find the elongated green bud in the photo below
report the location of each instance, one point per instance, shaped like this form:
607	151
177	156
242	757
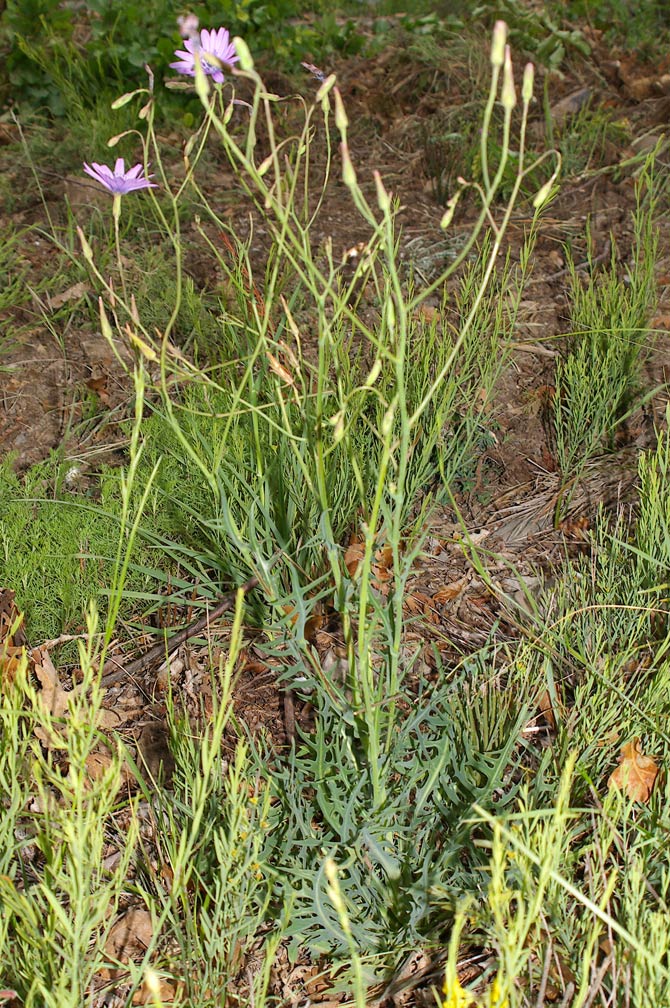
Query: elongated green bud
341	120
105	327
337	422
85	247
387	419
448	215
348	173
112	142
242	50
498	44
544	192
528	82
508	92
383	200
125	98
201	82
325	87
374	374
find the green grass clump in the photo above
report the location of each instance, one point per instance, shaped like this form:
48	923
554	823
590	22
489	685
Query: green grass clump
598	381
58	549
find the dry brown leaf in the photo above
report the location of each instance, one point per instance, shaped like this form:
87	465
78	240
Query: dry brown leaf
353	557
74	293
130	936
636	773
158	992
427	313
419	602
546	710
382	565
662	321
98	764
449	591
52	696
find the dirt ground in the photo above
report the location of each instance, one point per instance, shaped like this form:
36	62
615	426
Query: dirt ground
49	376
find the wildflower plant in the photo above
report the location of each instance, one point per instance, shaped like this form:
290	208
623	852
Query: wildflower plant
271	458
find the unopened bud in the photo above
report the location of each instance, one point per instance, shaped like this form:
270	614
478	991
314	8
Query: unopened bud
85	247
387	420
374	374
383	201
528	82
508	92
448	215
242	50
341	120
326	87
105	327
112	142
337	422
498	44
544	192
201	82
348	173
125	98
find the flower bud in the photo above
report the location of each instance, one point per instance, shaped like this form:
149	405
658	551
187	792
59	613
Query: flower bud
105	327
498	44
125	98
543	193
341	120
448	215
387	419
383	200
528	82
348	173
508	91
85	247
242	50
325	87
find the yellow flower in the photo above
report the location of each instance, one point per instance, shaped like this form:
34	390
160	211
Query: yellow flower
456	996
495	998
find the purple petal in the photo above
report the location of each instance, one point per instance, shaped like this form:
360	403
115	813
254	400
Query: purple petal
119	167
135	171
103	170
94	174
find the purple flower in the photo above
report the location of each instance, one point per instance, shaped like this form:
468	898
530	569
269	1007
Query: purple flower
120	181
211	43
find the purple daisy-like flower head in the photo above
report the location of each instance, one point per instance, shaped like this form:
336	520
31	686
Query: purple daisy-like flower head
120	181
210	43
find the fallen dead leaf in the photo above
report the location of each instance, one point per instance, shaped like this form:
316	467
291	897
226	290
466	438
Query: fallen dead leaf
74	293
636	773
156	991
546	710
130	936
52	696
382	565
449	591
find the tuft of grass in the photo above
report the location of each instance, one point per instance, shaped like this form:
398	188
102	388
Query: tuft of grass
598	381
